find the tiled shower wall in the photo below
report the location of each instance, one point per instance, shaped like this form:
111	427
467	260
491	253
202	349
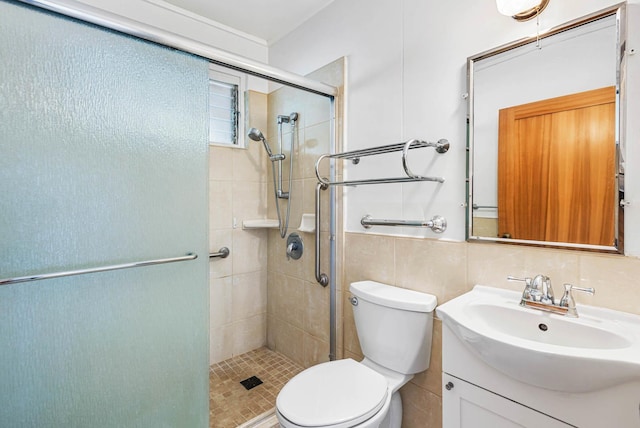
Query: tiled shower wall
238	284
298	307
449	269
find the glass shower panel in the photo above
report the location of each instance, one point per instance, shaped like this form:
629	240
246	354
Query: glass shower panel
103	160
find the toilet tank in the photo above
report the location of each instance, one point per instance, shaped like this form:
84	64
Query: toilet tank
395	325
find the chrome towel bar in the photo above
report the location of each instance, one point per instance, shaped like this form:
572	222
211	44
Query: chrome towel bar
223	253
36	277
442	146
438	223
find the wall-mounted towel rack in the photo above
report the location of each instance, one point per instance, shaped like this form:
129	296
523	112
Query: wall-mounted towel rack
36	277
442	146
437	223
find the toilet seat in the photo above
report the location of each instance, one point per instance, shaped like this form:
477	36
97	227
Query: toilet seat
337	394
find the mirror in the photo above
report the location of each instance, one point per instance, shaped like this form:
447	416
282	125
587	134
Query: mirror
544	159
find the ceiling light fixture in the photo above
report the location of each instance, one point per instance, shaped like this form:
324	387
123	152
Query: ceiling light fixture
521	10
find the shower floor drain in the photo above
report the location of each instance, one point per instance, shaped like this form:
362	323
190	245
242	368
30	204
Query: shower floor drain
251	382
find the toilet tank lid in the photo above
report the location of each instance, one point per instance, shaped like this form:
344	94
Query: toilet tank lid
393	297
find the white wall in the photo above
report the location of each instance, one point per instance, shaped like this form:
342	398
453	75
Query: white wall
160	14
406	77
632	132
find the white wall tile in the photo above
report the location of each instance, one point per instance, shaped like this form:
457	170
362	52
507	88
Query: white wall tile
249	295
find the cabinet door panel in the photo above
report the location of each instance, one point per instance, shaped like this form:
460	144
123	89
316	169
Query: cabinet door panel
467	406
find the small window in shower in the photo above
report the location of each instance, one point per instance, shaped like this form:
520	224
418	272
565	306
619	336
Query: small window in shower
226	105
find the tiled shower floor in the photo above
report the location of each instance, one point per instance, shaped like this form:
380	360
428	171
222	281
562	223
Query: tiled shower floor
230	404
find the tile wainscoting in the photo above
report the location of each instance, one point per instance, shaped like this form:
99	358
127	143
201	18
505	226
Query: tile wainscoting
449	269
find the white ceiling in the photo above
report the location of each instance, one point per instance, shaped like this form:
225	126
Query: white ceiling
265	19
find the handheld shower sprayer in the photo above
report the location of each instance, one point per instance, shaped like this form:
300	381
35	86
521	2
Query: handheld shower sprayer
256	135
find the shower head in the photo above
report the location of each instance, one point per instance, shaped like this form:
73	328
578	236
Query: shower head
255	134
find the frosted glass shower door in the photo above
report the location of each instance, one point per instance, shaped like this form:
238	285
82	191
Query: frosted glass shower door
103	160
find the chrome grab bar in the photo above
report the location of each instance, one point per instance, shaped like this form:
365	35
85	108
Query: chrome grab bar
437	223
322	278
223	253
36	277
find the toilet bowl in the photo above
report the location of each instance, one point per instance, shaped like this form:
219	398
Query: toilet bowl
395	329
337	394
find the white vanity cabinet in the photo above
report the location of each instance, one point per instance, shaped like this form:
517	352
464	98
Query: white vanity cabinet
483	397
465	405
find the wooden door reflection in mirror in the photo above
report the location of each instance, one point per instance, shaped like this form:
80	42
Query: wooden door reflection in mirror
561	192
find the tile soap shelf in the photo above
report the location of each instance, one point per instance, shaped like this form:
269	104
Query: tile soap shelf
307	223
260	224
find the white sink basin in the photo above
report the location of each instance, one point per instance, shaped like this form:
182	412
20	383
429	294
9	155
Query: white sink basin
599	349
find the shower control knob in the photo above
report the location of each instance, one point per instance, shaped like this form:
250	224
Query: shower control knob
294	246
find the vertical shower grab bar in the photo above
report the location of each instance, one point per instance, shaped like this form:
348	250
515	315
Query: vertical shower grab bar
322	278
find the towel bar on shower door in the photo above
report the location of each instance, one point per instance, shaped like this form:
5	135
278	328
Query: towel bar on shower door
36	277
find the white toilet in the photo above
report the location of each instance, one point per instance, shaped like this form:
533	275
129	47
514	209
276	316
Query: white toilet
395	329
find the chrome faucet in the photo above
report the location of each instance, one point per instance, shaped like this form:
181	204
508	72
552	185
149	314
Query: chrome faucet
541	285
538	294
538	289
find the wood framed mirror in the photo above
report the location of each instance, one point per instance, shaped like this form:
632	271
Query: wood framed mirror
545	156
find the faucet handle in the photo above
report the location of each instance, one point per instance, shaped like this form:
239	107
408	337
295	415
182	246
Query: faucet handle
567	300
526	280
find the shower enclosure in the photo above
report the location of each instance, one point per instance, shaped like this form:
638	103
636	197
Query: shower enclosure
259	296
